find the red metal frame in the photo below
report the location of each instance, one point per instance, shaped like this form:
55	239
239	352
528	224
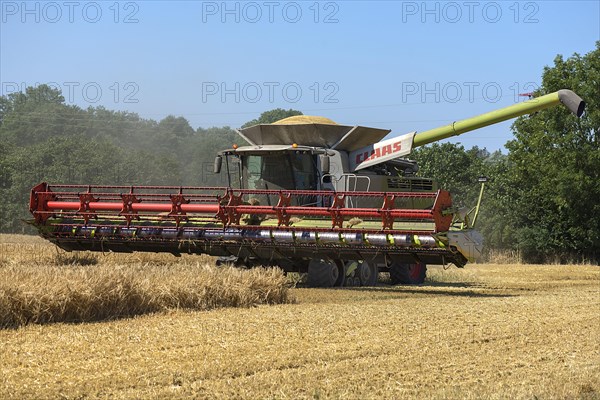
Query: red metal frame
225	205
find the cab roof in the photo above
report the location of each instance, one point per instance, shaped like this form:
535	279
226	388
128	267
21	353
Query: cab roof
313	131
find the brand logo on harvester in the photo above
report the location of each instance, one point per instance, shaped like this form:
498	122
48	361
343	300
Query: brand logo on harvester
379	152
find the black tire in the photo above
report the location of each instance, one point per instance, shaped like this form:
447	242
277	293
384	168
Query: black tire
324	273
368	273
408	274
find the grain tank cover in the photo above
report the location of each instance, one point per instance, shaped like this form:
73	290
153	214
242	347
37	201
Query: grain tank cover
312	131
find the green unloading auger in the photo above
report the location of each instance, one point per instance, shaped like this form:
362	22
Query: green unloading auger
568	98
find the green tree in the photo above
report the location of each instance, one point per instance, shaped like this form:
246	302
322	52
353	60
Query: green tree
454	168
38	113
553	182
458	170
201	154
176	126
43	139
268	117
5	107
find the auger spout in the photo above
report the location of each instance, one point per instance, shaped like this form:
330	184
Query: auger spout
567	97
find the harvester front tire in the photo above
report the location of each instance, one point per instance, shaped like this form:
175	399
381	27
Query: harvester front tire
408	274
324	273
226	261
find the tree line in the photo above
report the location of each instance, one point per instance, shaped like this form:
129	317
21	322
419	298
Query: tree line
541	198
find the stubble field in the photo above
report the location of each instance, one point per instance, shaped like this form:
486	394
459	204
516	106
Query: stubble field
488	331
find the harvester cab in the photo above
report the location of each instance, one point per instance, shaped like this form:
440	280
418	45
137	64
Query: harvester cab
316	154
339	202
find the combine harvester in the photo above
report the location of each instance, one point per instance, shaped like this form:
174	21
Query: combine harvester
307	195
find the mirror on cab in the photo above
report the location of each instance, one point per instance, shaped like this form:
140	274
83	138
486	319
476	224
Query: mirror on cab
218	163
324	159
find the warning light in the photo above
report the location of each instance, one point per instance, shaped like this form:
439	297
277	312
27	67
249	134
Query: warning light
295	145
235	146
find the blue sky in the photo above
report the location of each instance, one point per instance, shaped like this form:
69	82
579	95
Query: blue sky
401	65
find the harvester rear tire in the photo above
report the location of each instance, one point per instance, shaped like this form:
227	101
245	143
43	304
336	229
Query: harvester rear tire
368	273
408	274
324	273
